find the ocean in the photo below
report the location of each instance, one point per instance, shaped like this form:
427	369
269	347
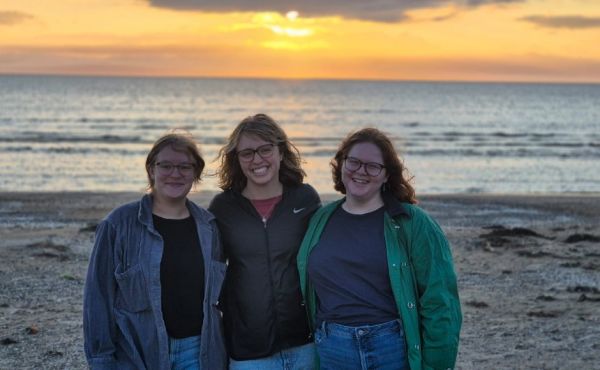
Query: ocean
93	133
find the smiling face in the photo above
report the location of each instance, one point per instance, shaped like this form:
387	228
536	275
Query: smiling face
174	185
260	172
360	186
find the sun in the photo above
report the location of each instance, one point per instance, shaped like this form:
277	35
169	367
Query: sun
292	15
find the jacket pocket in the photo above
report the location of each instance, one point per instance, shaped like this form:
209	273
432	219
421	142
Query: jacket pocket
132	294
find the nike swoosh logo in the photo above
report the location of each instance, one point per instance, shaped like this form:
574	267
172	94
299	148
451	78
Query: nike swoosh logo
298	210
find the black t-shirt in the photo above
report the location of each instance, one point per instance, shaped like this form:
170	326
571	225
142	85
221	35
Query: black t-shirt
348	268
181	276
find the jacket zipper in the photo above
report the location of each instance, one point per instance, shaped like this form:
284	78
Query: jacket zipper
268	252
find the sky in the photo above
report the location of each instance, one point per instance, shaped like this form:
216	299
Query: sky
430	40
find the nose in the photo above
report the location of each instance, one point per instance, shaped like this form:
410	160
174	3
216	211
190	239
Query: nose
256	158
362	169
176	172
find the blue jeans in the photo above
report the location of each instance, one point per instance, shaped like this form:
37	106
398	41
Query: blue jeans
184	354
295	358
380	346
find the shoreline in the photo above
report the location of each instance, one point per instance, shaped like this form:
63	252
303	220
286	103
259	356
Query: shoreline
528	269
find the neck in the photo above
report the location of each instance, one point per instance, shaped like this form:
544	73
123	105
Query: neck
169	208
359	207
271	190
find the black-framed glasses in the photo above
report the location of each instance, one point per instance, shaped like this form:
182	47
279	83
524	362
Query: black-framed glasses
264	151
167	168
371	168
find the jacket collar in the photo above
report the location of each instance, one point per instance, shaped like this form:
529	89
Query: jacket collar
145	211
393	206
237	195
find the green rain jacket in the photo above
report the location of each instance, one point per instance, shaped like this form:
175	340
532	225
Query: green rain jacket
422	278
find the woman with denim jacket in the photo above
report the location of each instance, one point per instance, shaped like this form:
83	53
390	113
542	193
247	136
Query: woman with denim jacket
155	274
376	271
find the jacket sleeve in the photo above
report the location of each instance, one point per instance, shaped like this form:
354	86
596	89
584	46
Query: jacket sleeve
438	303
218	254
214	207
99	326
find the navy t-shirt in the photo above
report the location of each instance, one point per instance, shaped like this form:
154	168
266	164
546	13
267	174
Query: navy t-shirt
348	268
181	276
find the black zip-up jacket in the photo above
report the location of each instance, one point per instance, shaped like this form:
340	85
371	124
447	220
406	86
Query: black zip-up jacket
261	300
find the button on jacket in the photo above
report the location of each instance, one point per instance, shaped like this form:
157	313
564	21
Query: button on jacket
122	317
422	278
262	302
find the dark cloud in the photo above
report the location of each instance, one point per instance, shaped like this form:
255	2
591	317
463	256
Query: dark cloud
371	10
442	18
572	21
8	18
485	2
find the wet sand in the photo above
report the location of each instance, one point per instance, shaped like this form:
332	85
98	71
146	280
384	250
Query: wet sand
528	267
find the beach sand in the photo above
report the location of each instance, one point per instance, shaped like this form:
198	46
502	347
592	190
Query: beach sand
528	268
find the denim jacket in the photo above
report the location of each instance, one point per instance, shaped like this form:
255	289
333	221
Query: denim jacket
122	316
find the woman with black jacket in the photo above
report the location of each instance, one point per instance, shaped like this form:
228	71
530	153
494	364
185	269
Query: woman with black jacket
262	215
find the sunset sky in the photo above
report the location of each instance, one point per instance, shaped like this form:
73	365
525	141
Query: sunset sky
472	40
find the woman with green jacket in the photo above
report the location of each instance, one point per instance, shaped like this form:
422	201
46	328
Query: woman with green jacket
376	271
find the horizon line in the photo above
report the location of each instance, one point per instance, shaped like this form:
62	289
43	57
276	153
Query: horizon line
332	79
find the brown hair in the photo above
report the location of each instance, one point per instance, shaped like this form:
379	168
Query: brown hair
264	127
397	185
181	142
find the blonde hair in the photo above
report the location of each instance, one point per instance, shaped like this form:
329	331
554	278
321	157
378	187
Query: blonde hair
264	127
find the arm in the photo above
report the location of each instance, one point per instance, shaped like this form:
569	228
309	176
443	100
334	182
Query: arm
438	303
315	199
99	327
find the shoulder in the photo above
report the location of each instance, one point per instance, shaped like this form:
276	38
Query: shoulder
124	212
319	219
200	213
223	199
304	191
413	213
307	189
331	206
118	221
327	209
419	223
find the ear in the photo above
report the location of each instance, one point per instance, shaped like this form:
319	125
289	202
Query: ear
151	172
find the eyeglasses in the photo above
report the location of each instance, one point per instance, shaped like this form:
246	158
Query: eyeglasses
167	168
263	151
353	164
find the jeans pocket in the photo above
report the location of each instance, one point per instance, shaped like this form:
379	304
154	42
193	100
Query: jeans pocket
132	294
